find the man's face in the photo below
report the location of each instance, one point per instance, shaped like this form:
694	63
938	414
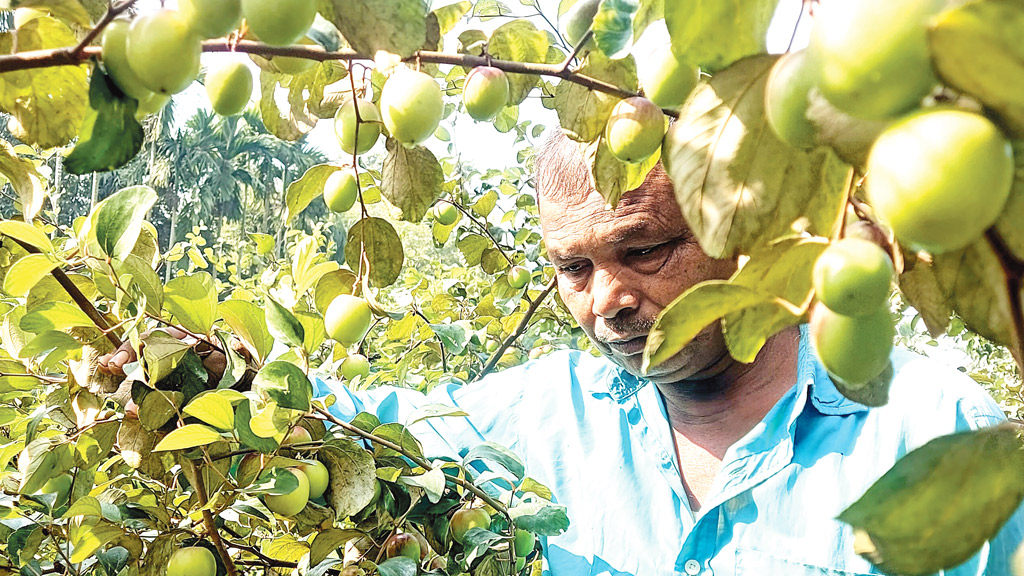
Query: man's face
617	269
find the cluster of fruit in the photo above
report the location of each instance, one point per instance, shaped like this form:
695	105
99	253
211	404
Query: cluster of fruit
938	174
853	329
158	53
414	546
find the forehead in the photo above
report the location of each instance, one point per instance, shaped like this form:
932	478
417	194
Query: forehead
575	220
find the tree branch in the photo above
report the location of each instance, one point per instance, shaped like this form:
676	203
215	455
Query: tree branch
211	525
76	295
74	56
1014	269
523	324
112	12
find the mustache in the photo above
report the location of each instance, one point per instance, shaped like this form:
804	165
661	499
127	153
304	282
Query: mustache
613	328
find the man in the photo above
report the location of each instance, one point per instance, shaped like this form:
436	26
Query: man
704	466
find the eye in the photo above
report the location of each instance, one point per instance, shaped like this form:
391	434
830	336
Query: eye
573	269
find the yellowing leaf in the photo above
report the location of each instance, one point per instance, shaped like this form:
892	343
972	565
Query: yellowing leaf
212	408
188	436
26	233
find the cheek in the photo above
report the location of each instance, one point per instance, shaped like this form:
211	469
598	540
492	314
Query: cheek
576	302
690	267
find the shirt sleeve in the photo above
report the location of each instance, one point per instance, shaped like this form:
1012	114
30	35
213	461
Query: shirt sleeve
974	409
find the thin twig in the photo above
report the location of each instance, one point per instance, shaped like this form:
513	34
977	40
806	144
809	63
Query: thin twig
483	226
422	463
523	324
112	12
79	298
208	521
444	360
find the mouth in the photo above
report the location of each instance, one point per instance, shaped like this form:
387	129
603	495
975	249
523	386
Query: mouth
628	347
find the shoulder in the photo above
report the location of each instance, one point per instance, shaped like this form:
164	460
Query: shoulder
928	398
561	370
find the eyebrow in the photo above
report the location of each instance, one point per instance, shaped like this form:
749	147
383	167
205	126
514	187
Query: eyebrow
626	234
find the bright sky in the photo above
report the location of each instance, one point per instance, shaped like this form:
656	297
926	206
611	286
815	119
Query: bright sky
479	143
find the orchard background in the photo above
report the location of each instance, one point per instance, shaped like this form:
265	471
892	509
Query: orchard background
128	211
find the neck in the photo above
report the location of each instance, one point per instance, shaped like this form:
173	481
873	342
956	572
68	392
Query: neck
715	412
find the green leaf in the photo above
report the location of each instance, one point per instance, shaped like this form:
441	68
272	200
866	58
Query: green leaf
47	105
70	11
400	436
783	271
26	273
714	34
85	506
383	247
248	322
687	315
54	316
453	337
60	344
975	284
285	384
353	476
309	264
582	112
327	541
88	536
158	407
26	233
613	27
395	26
193	301
162	354
243	416
145	278
411	180
940	503
330	285
213	408
117	220
301	192
541	518
282	324
110	136
739	187
448	16
94	444
1008	225
188	436
265	242
498	454
42	460
24	177
613	177
648	12
976	48
519	41
397	566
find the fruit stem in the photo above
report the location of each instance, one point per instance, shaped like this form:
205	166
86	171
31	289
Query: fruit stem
211	526
523	324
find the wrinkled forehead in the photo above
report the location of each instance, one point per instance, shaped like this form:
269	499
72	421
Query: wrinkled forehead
563	175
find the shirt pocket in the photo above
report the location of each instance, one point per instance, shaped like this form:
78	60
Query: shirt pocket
751	562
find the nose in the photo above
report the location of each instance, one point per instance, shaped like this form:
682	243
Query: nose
612	293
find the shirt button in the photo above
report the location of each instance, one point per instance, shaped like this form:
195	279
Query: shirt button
692	567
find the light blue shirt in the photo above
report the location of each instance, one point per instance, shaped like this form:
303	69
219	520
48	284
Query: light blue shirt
600	439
